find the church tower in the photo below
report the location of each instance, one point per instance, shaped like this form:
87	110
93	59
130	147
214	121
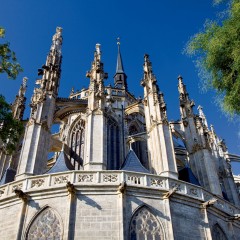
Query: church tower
33	158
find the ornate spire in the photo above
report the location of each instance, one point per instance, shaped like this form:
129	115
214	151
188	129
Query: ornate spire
182	89
18	106
147	66
202	115
185	103
97	76
120	77
149	80
51	71
97	71
159	135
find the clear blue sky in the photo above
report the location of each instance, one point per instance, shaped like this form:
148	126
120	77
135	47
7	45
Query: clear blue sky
159	28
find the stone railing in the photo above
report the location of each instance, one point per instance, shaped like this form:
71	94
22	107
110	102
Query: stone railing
114	178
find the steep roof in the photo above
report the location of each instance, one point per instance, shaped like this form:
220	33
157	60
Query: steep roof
61	165
132	163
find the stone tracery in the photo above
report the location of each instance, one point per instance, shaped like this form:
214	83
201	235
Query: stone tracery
144	225
45	226
77	138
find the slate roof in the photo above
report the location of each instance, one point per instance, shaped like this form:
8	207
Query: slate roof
132	163
61	165
187	175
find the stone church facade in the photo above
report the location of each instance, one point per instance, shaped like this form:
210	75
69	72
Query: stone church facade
120	169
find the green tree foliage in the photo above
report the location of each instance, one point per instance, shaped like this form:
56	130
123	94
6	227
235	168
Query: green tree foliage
217	50
8	60
10	128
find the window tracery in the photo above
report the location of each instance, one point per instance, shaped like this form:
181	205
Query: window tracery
145	226
45	226
113	144
77	139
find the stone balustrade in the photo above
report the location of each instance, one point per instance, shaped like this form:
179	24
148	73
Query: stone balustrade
114	178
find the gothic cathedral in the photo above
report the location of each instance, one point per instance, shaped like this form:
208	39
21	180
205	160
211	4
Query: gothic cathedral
120	168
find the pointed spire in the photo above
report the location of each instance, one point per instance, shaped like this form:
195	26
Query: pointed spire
119	68
51	71
182	88
185	103
147	66
120	77
202	115
18	106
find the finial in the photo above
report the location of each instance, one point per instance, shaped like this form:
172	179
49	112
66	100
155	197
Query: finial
147	66
180	77
24	83
57	40
98	45
118	41
146	57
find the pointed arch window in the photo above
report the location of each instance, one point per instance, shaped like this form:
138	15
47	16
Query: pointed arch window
77	139
217	233
113	144
145	226
46	225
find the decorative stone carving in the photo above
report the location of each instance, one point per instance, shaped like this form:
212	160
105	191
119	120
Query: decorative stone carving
177	186
37	183
196	147
45	226
134	179
85	178
110	178
144	225
156	182
193	192
61	179
17	187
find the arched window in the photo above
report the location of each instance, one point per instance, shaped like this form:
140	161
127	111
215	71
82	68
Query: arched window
46	225
113	144
77	144
217	233
145	226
